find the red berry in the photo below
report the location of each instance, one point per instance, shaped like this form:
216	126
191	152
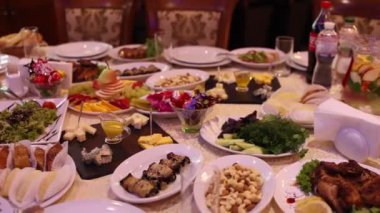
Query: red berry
137	84
55	76
39	79
49	105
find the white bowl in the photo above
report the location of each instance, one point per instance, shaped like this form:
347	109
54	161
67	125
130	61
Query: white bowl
152	80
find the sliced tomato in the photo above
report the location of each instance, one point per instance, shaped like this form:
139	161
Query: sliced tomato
49	105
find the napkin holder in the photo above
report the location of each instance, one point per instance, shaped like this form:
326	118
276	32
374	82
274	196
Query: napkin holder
355	134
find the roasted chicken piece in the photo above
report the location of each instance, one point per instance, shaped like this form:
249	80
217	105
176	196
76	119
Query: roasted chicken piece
51	154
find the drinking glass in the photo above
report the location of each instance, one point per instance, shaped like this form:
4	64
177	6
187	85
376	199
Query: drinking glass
31	43
163	46
114	128
191	119
242	80
286	45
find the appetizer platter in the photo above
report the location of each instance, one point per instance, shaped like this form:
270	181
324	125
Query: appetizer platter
177	79
160	102
269	137
93	206
134	52
160	171
39	120
87	70
139	70
257	57
298	106
33	175
332	185
218	183
106	94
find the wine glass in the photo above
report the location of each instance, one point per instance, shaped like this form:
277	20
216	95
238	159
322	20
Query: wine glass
286	45
31	43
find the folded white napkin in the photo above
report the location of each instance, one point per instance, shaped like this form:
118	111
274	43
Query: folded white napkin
332	116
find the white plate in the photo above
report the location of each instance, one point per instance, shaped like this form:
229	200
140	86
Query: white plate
141	161
81	49
211	130
292	64
202	182
235	53
152	80
5	206
52	133
51	55
286	179
198	54
300	58
114	53
168	58
93	206
122	67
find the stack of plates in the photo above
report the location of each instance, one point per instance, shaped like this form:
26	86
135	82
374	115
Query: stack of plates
81	50
299	60
197	56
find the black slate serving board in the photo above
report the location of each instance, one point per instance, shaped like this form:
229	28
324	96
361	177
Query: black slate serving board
235	97
121	151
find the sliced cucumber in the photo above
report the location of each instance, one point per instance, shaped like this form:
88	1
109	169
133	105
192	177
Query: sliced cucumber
235	147
254	150
228	142
244	145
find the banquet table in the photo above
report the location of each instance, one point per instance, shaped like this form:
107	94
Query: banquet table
99	188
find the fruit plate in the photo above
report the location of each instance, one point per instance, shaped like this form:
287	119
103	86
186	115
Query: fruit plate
114	54
286	183
202	182
139	162
235	53
211	130
52	133
122	67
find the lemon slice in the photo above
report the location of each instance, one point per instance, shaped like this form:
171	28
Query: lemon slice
312	204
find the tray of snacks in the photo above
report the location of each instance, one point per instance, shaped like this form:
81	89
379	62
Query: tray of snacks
255	191
156	173
38	120
32	174
105	94
94	158
223	87
134	52
139	70
257	57
87	70
331	185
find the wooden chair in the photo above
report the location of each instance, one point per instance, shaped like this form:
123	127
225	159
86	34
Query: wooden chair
109	21
366	13
191	22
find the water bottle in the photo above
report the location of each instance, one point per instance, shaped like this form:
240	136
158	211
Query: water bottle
316	28
326	50
348	35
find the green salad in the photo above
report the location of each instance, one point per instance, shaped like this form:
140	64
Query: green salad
26	121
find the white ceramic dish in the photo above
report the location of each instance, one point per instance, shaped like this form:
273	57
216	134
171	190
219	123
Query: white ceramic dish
235	53
168	58
51	55
81	49
202	182
211	130
52	133
139	162
300	58
114	53
152	80
198	54
293	65
286	179
122	67
69	183
93	206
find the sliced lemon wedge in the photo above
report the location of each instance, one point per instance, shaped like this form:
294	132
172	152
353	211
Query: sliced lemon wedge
312	204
